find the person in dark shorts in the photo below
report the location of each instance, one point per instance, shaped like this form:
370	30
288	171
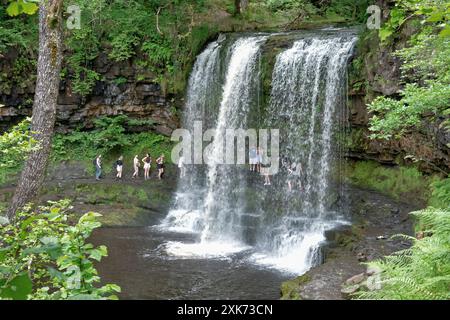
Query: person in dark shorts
160	166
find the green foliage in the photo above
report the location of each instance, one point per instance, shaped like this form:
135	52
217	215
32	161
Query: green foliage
396	19
391	118
426	58
15	144
431	12
421	272
17	7
20	33
43	256
425	69
127	29
110	137
440	197
400	182
353	10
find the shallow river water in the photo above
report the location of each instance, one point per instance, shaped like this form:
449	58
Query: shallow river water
137	263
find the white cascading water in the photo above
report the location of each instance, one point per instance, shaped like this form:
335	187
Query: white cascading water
229	208
308	90
220	213
204	84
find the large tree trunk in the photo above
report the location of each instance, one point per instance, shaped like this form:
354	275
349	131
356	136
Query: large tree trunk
45	99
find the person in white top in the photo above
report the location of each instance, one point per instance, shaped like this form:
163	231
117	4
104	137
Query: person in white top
182	167
147	160
136	165
98	167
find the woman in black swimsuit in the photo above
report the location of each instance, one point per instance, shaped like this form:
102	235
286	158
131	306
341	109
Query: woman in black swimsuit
160	166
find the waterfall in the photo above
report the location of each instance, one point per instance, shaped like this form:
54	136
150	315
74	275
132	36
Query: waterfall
202	94
225	184
227	206
308	89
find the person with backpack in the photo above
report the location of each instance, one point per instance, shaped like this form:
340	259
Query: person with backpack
98	167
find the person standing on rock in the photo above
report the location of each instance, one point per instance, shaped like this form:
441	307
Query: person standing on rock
291	176
147	164
299	176
182	167
98	167
136	165
258	159
253	159
160	166
265	167
119	167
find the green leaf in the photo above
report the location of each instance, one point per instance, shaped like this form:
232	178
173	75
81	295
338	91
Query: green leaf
18	288
5	270
13	9
435	17
3	253
98	253
445	32
385	33
55	273
28	7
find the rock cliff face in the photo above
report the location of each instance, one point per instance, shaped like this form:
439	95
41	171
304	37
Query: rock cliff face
376	71
124	89
118	92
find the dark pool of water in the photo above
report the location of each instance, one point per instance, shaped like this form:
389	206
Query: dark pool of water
136	263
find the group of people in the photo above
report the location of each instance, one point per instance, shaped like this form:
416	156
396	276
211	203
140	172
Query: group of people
146	161
260	163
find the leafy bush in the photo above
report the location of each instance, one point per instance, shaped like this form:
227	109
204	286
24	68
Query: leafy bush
110	138
15	144
425	69
44	256
421	272
391	118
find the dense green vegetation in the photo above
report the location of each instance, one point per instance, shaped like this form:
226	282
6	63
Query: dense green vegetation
14	147
423	270
397	182
43	256
111	137
426	70
162	37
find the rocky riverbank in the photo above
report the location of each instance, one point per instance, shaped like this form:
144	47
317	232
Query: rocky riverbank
375	218
126	202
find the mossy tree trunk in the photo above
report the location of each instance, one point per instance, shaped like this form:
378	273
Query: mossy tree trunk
45	100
